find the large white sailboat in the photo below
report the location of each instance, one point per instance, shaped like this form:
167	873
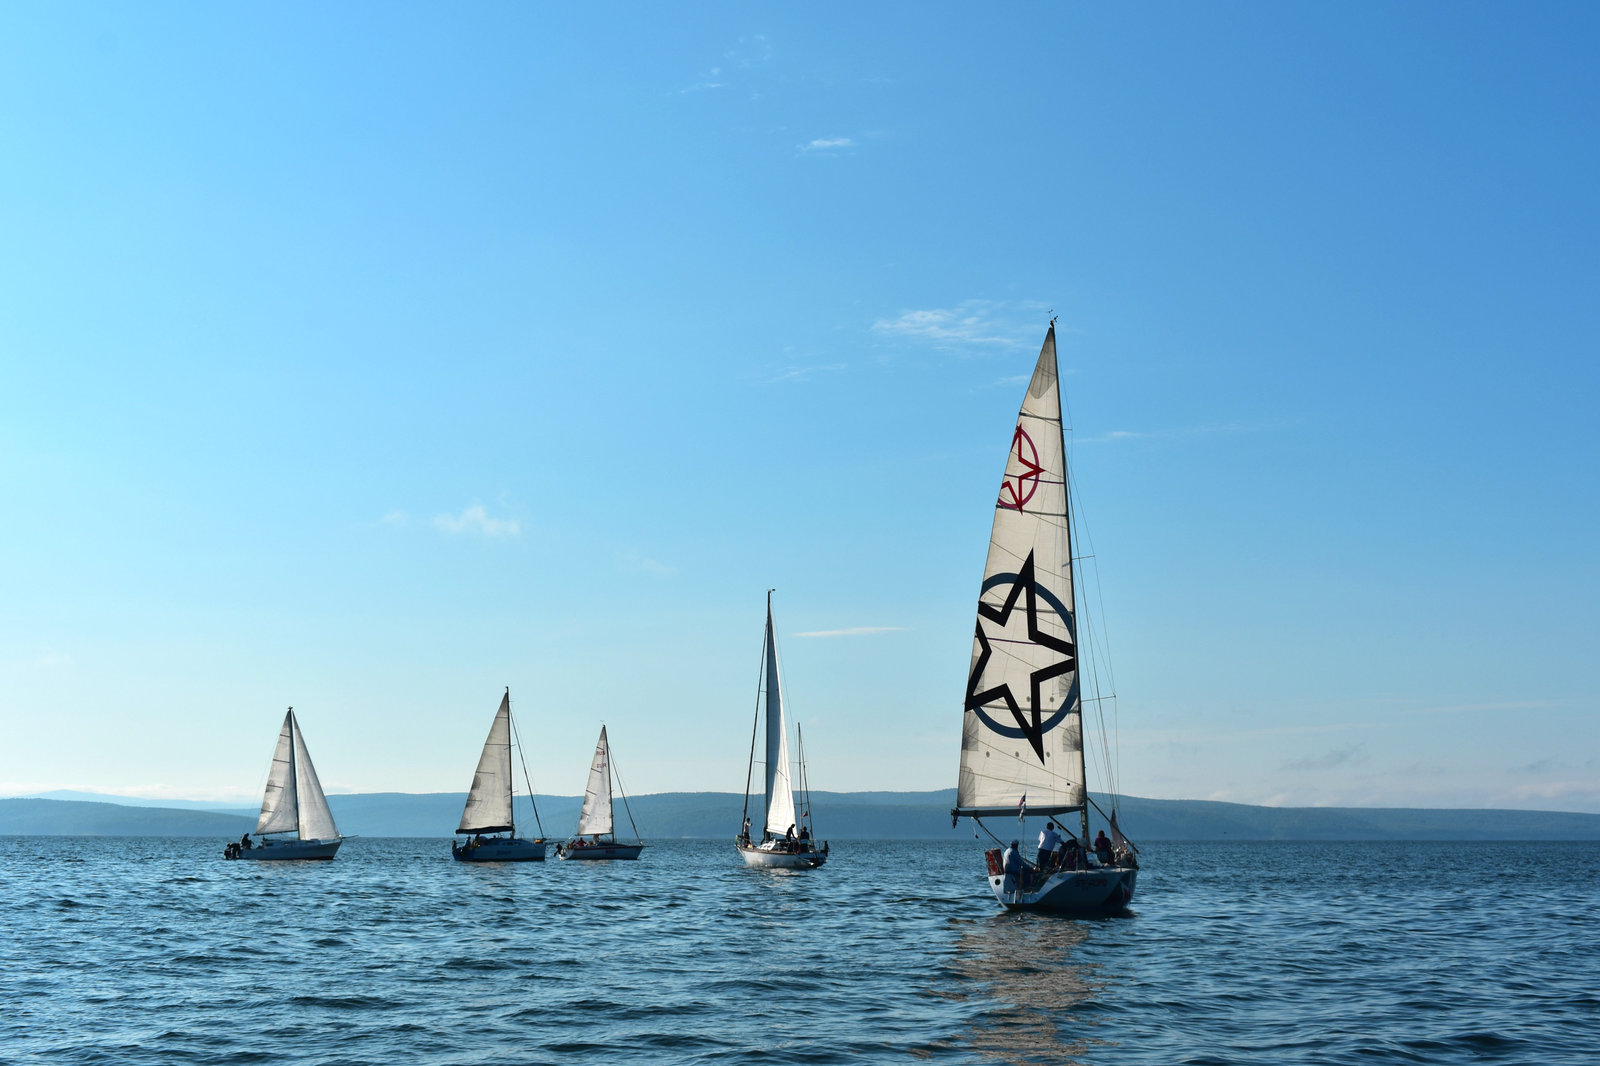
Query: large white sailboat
1022	736
490	801
787	839
293	803
595	837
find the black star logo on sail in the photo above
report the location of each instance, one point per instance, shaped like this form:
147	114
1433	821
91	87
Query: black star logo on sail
1030	722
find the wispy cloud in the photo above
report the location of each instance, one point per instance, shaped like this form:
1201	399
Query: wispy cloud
1469	708
393	518
803	373
52	659
855	631
633	561
970	323
1328	760
1208	429
828	144
476	520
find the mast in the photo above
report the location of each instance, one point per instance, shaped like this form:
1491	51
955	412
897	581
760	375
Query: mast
294	770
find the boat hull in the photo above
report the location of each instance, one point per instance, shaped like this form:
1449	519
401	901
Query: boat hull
599	851
500	849
1099	890
782	860
285	850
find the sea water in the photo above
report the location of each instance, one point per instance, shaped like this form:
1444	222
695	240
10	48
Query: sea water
140	950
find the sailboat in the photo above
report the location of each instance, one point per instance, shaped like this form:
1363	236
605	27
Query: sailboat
489	802
293	803
595	837
786	839
1022	749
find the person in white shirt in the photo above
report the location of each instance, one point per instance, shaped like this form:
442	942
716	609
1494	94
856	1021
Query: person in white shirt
1048	841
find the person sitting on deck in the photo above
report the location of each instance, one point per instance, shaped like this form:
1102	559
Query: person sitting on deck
1071	853
1102	848
1014	868
244	842
805	837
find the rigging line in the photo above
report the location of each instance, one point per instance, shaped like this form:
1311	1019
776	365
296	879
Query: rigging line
611	758
1101	657
756	721
522	756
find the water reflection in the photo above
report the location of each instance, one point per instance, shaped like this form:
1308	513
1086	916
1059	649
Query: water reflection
1022	973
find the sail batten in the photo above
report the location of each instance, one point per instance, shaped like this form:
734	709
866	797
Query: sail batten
595	818
780	791
1022	732
488	807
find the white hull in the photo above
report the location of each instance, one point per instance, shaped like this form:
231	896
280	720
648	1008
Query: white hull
1100	890
277	850
782	860
570	850
500	849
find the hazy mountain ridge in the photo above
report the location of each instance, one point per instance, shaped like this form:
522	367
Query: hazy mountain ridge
839	816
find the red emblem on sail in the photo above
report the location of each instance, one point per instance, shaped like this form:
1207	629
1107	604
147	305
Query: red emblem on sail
1018	489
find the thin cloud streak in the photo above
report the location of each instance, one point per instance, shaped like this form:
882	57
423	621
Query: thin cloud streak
476	520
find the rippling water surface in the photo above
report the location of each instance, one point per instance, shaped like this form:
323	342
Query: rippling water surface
118	950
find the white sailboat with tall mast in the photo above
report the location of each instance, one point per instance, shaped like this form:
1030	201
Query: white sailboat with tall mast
292	803
1022	736
595	837
490	801
787	839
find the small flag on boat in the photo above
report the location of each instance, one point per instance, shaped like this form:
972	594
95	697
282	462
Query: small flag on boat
1022	806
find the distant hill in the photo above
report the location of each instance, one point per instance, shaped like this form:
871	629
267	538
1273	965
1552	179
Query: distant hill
80	818
839	816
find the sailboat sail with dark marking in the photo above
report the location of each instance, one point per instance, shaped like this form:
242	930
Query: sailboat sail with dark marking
1022	735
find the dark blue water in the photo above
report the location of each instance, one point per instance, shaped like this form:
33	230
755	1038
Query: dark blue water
157	951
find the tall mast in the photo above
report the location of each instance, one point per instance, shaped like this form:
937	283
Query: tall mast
294	772
1072	567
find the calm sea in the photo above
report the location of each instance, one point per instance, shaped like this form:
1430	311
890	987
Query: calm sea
157	951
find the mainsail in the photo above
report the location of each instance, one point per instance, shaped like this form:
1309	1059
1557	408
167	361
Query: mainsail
293	801
595	818
780	794
1022	731
279	811
488	808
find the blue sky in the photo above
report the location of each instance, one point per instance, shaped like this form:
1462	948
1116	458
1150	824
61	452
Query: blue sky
372	359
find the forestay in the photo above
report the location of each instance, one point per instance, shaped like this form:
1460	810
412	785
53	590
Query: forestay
780	793
1022	733
595	818
488	808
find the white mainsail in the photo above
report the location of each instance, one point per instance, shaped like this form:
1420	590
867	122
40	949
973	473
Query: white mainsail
293	801
279	811
780	794
488	808
595	818
1022	731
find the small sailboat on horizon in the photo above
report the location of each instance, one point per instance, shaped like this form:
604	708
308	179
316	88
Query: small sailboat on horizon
1022	736
787	839
293	802
595	837
491	801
